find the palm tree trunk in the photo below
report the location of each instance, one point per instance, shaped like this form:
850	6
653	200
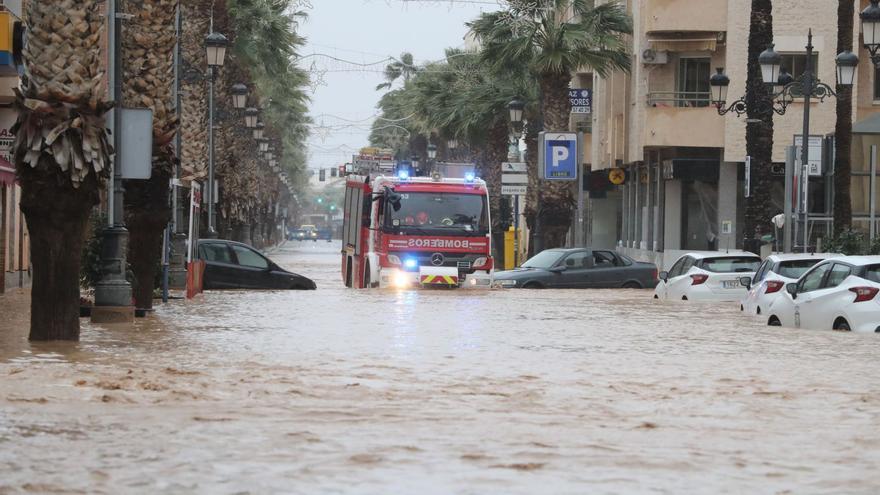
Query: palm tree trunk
843	127
57	217
530	209
759	131
496	152
557	203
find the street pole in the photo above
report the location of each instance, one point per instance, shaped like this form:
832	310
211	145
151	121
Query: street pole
212	231
805	140
113	292
516	230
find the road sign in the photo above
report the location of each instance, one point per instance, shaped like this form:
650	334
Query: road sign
558	155
617	176
581	100
518	167
514	190
814	156
514	178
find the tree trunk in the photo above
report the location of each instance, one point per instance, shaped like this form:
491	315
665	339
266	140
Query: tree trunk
531	157
557	204
57	218
843	127
147	215
496	153
759	133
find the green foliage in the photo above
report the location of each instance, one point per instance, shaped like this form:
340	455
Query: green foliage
851	242
90	263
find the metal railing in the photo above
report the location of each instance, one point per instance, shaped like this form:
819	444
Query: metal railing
678	98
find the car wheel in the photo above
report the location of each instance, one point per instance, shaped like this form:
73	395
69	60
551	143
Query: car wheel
533	285
656	296
684	298
632	285
758	310
842	325
774	322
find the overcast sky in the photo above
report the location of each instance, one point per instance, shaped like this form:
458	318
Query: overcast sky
365	32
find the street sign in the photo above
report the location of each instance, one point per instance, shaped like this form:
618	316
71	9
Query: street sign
518	167
581	100
814	157
748	181
558	155
514	178
617	176
136	133
514	190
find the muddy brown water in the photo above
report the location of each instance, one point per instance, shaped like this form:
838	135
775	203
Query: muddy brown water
434	392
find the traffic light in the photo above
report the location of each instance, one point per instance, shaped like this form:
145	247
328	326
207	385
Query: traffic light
322	175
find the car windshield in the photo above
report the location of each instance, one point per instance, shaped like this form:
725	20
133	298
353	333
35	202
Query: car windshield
872	273
438	213
544	259
731	264
796	268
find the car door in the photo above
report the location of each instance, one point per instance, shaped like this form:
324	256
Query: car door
678	285
604	272
577	266
253	268
820	309
662	288
811	282
220	267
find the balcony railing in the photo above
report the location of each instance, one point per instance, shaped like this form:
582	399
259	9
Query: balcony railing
678	99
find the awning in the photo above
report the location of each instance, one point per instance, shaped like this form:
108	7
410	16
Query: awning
7	172
871	125
685	44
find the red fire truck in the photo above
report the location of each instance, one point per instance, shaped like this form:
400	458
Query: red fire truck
402	231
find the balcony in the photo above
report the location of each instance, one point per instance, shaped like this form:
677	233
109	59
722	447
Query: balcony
675	118
682	16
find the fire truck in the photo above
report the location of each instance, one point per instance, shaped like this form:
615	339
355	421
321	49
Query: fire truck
408	232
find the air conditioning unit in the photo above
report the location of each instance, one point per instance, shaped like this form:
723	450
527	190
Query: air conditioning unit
651	56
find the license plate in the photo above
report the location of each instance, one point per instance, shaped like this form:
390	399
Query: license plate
730	284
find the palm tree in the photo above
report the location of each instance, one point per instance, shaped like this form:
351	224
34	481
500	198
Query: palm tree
61	152
759	129
148	56
195	17
843	127
553	38
404	67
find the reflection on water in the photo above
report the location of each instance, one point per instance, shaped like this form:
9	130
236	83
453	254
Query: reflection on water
348	391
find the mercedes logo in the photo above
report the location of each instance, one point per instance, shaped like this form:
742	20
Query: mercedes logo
437	259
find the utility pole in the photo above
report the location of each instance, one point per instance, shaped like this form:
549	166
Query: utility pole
113	292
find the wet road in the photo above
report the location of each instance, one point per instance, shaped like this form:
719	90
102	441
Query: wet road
376	392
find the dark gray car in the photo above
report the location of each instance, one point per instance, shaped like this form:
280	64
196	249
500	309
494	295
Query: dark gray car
579	268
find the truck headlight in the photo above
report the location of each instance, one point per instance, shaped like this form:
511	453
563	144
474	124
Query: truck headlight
400	280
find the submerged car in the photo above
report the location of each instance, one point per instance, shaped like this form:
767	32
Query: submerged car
772	276
707	276
579	268
836	294
234	265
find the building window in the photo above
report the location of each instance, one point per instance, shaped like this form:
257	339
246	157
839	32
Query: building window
795	63
693	82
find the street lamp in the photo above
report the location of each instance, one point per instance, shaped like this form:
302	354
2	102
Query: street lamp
452	144
239	95
870	18
264	145
515	108
785	88
250	117
258	130
432	151
215	50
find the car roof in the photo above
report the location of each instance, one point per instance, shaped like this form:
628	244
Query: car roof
700	255
859	260
802	256
225	241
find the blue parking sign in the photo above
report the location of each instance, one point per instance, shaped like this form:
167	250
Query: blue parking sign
559	155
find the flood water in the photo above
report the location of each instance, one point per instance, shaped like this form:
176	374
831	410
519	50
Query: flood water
435	392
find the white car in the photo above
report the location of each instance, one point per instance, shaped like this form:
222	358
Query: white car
836	294
770	279
707	276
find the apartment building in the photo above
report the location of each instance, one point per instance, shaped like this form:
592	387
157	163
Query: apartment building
14	241
684	163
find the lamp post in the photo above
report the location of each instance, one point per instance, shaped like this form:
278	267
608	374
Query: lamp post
515	110
250	117
785	89
870	19
259	128
239	96
215	49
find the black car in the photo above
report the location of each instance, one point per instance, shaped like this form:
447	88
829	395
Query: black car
233	265
579	268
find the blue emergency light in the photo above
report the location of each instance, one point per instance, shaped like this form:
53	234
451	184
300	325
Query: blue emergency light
410	263
469	176
403	174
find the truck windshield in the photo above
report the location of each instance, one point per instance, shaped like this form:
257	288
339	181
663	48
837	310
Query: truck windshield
438	214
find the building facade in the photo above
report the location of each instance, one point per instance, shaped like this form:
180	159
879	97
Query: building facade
684	163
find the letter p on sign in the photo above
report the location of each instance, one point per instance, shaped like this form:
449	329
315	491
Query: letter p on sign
560	154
